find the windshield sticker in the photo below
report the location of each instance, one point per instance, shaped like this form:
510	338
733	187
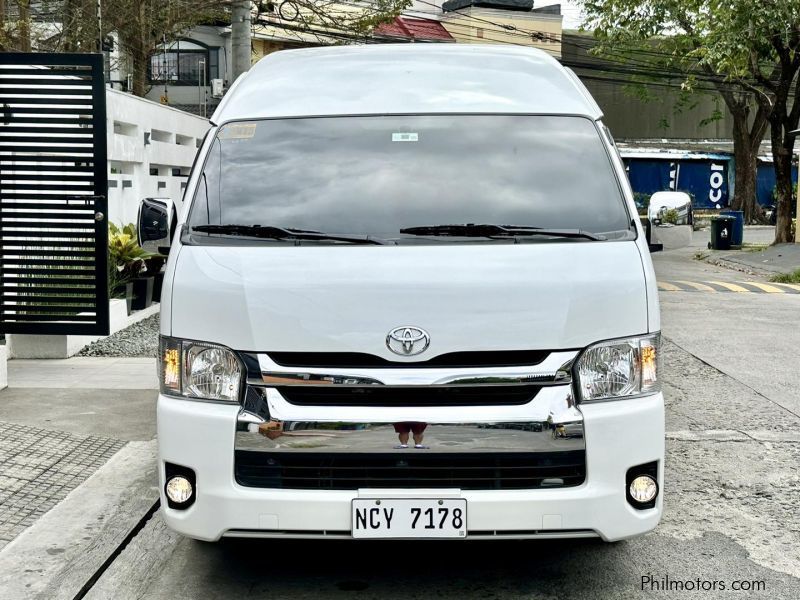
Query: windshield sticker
238	131
405	137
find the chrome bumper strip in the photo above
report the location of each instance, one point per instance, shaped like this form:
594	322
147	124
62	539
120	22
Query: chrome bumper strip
545	534
550	422
373	438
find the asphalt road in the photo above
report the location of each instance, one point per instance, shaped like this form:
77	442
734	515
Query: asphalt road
732	493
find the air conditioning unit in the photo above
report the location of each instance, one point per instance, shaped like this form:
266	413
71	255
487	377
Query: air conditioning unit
217	88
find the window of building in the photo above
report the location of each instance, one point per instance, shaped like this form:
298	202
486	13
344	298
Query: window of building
184	62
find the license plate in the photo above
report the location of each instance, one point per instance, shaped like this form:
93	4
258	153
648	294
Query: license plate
409	518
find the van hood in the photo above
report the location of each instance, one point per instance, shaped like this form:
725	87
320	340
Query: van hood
468	297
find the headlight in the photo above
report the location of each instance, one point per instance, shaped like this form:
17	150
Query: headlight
199	370
619	368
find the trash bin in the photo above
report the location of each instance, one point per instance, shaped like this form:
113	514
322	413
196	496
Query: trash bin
738	227
721	233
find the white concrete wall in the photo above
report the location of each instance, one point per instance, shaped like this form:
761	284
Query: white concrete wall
172	140
3	367
63	346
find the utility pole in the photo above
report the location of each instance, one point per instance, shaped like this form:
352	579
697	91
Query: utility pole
240	37
99	15
796	133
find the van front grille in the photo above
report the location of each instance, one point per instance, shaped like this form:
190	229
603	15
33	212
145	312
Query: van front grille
355	360
410	469
378	395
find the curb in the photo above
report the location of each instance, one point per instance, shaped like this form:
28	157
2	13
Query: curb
740	267
60	554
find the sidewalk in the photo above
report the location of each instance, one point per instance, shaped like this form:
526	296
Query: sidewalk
783	258
60	422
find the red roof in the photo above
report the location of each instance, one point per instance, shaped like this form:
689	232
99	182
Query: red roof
423	30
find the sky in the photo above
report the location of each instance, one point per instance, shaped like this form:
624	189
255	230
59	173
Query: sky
569	8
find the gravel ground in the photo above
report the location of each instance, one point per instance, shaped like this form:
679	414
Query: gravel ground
140	339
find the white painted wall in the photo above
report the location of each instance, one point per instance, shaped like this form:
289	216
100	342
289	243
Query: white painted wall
145	135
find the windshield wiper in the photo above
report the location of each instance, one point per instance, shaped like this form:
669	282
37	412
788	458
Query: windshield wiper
498	231
283	233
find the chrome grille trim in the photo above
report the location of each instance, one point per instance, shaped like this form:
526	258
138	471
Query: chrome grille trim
553	402
553	370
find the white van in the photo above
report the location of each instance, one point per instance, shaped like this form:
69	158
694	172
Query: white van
409	296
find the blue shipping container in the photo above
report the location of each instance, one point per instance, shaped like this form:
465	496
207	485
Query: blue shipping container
705	179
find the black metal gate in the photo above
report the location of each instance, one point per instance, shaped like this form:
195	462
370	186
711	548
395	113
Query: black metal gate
53	185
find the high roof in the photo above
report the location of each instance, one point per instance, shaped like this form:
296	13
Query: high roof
406	79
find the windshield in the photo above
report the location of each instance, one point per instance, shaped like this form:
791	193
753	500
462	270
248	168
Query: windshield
375	176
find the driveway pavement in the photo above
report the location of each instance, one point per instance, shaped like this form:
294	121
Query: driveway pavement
62	421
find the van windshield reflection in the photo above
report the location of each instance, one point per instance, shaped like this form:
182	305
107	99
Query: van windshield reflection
371	178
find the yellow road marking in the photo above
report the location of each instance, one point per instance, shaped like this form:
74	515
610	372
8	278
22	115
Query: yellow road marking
791	286
700	287
770	289
732	287
668	287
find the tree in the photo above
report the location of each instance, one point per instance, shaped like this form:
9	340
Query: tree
678	35
143	25
754	46
3	40
761	42
330	21
15	25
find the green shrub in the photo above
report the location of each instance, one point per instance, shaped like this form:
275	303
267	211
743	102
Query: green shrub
641	200
793	277
126	258
670	216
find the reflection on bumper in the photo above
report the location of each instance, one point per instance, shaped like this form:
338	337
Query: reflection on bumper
549	423
384	437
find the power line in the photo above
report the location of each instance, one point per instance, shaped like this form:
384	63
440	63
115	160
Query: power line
643	69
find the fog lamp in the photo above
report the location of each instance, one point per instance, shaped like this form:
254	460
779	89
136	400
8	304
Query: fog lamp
643	489
179	489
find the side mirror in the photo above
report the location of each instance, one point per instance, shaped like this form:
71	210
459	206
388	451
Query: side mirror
661	202
648	228
648	234
155	224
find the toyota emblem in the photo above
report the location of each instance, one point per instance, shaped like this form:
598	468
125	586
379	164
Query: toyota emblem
408	341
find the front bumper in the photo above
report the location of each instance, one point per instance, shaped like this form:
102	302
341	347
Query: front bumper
617	435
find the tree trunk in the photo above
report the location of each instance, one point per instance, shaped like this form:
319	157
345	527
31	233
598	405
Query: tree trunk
782	157
24	25
747	136
2	25
746	165
72	19
138	47
139	68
